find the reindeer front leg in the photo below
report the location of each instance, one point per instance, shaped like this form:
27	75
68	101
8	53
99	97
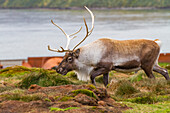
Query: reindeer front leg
98	71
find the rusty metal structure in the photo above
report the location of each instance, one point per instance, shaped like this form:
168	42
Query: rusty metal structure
49	62
164	57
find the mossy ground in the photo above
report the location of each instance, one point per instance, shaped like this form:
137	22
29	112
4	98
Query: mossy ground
134	90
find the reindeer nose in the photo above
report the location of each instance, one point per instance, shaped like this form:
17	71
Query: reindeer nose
59	70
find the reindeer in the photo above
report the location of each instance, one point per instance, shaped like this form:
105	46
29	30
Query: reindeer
103	55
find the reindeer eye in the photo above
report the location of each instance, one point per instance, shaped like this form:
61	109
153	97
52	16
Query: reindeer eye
69	59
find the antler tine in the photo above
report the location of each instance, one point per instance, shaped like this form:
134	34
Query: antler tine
76	32
92	17
62	50
88	32
59	28
85	36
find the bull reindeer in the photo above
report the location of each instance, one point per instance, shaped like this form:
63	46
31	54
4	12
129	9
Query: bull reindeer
104	55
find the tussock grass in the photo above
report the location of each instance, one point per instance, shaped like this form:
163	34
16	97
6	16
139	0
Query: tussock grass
136	77
71	75
20	95
125	89
85	91
147	98
14	71
7	88
44	78
158	86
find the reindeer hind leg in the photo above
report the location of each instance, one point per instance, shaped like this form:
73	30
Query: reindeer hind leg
148	71
162	71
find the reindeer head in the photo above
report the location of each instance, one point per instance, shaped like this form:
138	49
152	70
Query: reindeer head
68	63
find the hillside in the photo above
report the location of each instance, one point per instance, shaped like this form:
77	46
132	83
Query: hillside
80	3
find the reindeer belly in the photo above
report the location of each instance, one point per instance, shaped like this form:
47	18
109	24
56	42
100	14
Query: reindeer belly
128	66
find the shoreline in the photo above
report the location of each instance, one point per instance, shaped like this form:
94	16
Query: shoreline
93	8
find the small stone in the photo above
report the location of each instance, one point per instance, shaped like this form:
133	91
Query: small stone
34	87
102	103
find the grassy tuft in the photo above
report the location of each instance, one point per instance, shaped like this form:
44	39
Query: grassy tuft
157	86
71	75
44	78
60	109
99	79
14	71
125	89
136	78
20	95
66	98
7	88
86	92
91	87
148	99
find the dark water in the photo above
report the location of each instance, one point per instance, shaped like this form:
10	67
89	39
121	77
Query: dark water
26	33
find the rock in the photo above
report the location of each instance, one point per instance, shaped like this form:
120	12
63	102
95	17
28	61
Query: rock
34	87
102	103
85	100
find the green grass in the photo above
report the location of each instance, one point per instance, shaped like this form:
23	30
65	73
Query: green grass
18	94
137	77
44	78
60	109
147	99
161	107
125	89
164	64
84	91
66	98
15	71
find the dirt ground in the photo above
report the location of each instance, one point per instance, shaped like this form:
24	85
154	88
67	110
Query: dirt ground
53	97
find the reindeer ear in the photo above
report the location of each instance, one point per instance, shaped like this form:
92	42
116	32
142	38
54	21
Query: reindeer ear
76	53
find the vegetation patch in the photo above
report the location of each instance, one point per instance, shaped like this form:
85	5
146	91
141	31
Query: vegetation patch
44	78
136	78
150	99
20	95
99	79
66	98
162	107
14	71
60	109
7	88
158	86
125	89
85	91
91	87
71	75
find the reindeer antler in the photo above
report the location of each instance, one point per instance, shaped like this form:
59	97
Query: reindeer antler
88	32
69	36
62	49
